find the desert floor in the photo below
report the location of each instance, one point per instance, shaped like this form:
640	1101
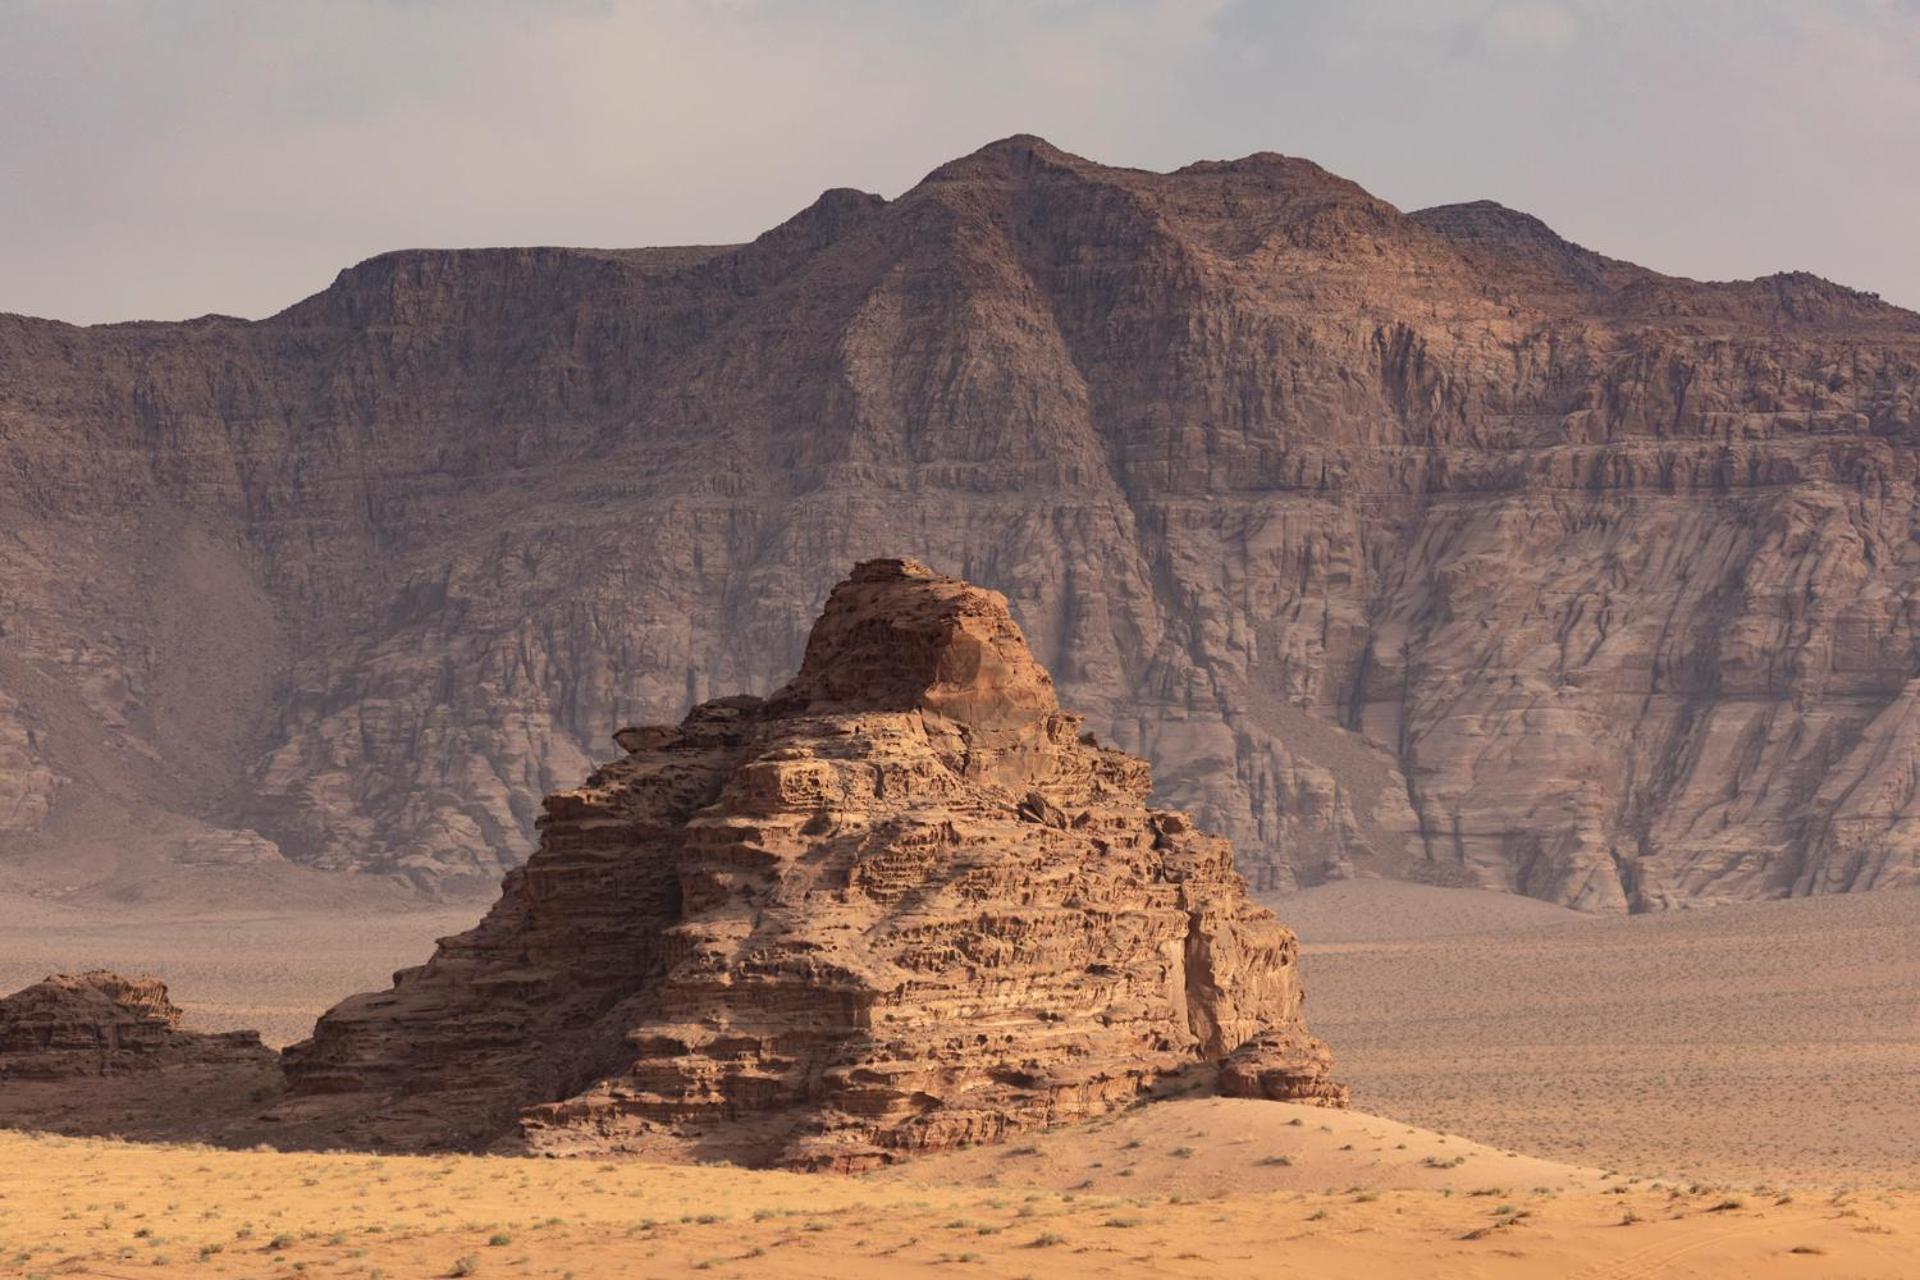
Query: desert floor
1776	1041
1722	1093
1219	1188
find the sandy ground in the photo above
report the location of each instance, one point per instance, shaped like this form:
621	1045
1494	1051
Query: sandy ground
1723	1093
1209	1147
1770	1041
92	1207
1383	910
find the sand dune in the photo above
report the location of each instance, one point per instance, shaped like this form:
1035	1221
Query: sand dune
1207	1147
92	1207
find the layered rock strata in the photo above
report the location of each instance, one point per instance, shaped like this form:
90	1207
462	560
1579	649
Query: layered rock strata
905	903
1424	544
72	1026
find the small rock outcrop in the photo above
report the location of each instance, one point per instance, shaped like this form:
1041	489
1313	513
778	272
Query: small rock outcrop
903	904
73	1026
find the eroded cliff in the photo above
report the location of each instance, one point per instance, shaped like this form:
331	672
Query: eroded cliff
903	904
1428	546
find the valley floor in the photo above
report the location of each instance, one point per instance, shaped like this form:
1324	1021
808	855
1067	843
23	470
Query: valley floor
1764	1041
1721	1093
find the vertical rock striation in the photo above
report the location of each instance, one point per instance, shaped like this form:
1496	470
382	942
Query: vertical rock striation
1425	545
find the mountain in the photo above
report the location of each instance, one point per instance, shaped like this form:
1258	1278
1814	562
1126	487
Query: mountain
1428	546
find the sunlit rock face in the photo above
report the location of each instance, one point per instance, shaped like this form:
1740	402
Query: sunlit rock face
905	903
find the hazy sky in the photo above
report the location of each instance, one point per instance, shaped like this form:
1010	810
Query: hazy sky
161	160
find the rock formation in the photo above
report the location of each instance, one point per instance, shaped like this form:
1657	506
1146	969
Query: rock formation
1423	545
101	1024
904	903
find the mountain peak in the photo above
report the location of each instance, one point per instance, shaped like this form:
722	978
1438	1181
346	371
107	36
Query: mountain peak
1019	153
1487	229
1271	163
1491	224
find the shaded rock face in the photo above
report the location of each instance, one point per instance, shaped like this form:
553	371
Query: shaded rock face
1428	545
902	904
101	1024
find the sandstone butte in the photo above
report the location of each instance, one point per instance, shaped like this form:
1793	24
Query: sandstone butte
100	1024
1426	545
903	904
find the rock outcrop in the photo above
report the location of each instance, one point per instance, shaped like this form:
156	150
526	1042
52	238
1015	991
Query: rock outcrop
904	903
1424	545
71	1027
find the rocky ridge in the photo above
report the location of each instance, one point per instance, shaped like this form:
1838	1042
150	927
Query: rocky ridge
1429	546
903	904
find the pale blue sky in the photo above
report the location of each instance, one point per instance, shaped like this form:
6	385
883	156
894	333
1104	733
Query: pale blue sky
161	160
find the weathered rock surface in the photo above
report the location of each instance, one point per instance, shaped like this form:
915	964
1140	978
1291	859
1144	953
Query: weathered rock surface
1419	545
101	1024
902	904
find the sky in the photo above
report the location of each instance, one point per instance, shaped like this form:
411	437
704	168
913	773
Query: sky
167	159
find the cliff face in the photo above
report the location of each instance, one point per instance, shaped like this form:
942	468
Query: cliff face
1429	546
901	905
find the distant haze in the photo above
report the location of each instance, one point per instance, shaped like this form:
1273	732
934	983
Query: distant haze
165	160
